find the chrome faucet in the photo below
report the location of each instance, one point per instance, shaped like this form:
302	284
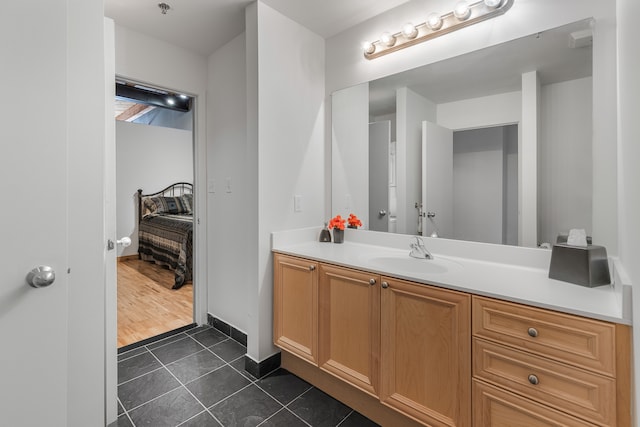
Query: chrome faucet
419	250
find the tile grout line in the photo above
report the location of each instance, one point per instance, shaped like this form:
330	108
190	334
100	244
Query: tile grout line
125	413
189	391
181	384
140	376
286	407
296	398
345	418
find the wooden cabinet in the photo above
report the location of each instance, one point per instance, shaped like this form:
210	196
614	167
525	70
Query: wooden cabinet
408	354
349	326
295	306
569	339
564	364
494	407
426	352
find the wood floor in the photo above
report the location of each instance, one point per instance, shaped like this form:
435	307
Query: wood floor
147	306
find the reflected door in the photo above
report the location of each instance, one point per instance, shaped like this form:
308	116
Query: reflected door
437	180
379	143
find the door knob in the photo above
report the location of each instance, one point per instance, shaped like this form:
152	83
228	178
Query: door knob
41	277
382	212
124	242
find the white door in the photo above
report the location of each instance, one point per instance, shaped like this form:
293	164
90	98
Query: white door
437	180
379	141
45	332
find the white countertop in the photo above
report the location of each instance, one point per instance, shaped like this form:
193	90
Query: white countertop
506	272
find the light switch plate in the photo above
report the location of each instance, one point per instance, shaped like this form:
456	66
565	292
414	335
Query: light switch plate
297	203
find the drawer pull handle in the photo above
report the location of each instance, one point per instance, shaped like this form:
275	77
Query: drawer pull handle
533	332
385	285
534	379
372	282
312	267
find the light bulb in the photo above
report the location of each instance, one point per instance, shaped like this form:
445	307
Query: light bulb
434	21
170	101
387	39
409	30
368	48
492	3
462	10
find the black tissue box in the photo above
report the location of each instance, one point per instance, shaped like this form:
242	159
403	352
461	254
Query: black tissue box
582	265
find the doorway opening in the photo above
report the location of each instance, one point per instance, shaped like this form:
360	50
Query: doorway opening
154	202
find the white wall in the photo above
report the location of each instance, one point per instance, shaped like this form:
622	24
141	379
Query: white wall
478	185
228	237
350	152
346	66
485	111
511	185
290	138
144	59
629	154
565	159
149	158
411	110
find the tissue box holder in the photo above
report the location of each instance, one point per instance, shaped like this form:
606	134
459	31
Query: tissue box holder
586	266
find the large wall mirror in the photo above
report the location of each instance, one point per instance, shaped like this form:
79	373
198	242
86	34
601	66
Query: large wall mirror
492	146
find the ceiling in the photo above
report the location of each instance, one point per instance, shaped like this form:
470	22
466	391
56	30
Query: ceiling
203	26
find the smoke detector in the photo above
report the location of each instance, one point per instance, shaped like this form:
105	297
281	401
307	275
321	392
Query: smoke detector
581	38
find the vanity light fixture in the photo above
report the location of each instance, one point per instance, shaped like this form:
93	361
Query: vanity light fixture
463	15
434	21
462	11
409	30
387	39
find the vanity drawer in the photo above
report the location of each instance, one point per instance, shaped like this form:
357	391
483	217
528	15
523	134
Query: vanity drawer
581	342
572	390
494	407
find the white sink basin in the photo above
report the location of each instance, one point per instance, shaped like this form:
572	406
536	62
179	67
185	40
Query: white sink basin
409	265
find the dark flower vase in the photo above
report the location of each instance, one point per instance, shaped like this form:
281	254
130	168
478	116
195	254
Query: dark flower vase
338	235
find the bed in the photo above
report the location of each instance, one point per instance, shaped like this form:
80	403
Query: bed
165	229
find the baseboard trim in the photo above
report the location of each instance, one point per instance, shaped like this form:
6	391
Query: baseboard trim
127	257
260	369
227	329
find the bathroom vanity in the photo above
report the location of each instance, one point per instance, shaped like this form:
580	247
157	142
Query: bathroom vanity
453	341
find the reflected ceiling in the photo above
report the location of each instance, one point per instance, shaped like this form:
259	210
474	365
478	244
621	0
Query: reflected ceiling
493	70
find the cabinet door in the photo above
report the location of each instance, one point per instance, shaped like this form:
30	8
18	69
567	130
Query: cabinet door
349	326
426	352
295	302
494	407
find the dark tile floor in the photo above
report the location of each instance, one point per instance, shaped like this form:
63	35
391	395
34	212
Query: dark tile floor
197	378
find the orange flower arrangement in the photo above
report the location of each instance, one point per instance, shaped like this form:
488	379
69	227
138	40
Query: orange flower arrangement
337	222
354	221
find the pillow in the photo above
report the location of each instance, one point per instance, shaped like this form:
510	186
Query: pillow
165	205
148	207
187	199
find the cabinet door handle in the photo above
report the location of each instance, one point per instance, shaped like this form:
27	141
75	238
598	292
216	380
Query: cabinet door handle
312	267
372	282
533	332
385	285
533	379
